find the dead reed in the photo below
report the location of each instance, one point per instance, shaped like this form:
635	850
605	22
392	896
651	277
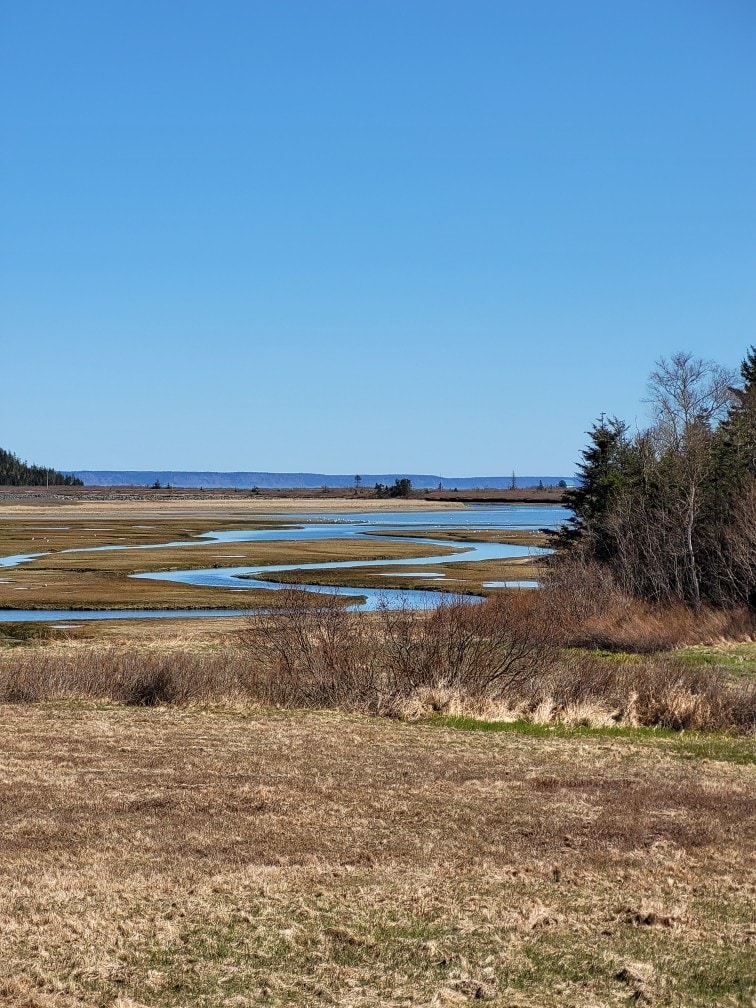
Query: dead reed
585	607
496	660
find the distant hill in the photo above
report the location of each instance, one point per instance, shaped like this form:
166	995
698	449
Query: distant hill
14	472
275	481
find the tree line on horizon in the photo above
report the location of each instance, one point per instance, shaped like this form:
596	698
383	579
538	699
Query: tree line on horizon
14	472
670	511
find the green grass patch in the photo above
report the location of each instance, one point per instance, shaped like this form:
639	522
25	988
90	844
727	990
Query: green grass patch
684	972
285	958
13	634
739	660
685	745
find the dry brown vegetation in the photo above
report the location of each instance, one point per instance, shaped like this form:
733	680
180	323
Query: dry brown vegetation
585	607
186	857
207	817
496	660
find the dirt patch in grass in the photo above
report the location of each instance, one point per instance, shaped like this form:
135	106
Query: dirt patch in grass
172	857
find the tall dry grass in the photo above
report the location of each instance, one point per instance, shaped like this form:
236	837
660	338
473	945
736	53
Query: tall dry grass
498	659
584	607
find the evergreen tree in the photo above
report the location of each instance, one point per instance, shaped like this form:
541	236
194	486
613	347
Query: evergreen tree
14	472
672	513
730	514
735	442
748	368
604	474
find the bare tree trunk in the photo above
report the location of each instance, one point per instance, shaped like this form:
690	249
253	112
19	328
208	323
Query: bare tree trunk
690	549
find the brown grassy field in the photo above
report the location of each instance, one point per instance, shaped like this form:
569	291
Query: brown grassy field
190	857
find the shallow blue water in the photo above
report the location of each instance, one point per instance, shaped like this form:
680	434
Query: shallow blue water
19	558
319	526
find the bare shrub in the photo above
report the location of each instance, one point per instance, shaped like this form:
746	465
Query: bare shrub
321	655
312	653
584	606
155	682
497	660
479	649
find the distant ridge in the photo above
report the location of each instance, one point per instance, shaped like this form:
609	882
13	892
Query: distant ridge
277	481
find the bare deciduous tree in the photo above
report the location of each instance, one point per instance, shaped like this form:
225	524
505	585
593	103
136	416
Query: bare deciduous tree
686	393
686	396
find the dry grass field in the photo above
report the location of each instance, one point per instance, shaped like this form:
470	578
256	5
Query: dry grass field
196	857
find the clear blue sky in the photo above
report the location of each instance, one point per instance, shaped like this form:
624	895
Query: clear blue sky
365	235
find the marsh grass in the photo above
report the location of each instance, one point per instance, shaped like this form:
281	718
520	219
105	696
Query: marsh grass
100	580
13	634
466	578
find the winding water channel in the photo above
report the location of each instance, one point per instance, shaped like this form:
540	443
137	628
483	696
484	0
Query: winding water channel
307	527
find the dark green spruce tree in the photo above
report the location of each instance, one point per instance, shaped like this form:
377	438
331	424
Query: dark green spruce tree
607	470
671	513
729	519
14	472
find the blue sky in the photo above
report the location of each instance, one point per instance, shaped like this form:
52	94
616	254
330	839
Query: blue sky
365	235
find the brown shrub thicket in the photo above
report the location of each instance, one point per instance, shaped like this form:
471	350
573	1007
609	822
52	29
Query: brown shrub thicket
325	656
584	607
500	659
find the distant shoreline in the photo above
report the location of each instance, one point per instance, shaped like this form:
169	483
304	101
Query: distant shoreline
301	498
315	482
